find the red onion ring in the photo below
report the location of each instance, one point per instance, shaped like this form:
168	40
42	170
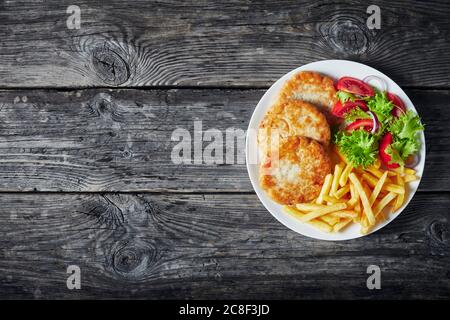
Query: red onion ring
381	81
399	109
414	162
375	122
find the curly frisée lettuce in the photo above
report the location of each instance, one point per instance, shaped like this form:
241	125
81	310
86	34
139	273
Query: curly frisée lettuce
381	106
405	131
356	114
359	147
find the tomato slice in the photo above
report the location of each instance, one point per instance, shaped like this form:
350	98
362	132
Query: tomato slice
385	158
355	86
339	109
366	124
399	106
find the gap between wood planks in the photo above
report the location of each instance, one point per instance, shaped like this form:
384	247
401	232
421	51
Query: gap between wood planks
174	87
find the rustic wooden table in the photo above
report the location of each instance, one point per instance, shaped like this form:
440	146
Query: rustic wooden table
86	177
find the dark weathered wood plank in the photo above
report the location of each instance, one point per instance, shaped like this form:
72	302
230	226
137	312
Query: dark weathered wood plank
209	246
207	43
101	140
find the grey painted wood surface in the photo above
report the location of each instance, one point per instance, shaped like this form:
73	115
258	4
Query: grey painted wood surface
209	246
211	43
86	176
120	140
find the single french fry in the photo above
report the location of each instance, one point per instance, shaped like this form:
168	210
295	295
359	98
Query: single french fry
376	172
321	225
377	189
320	212
409	171
333	200
400	197
364	230
363	196
370	179
383	203
316	223
293	211
405	171
340	225
410	177
344	176
331	220
351	203
358	206
345	214
358	210
394	188
352	191
363	221
366	188
309	206
336	176
325	188
342	191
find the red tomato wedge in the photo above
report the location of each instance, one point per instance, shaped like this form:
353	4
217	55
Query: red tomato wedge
339	109
366	124
399	106
355	86
385	158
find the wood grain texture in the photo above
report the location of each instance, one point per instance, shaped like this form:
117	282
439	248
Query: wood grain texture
120	140
208	43
211	247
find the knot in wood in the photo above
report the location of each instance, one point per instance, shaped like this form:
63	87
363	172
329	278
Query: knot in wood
102	105
347	37
110	66
438	231
133	259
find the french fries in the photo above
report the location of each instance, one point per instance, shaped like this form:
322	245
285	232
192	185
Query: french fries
400	197
390	187
377	189
342	191
316	223
363	196
335	183
322	211
325	188
410	177
355	195
344	176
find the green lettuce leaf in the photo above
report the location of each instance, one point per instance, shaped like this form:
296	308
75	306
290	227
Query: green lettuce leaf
381	106
356	114
406	126
404	130
395	155
359	147
345	96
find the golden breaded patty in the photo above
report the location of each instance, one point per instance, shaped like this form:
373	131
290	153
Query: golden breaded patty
298	174
294	118
311	87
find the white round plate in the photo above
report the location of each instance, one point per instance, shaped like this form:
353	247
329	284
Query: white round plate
334	69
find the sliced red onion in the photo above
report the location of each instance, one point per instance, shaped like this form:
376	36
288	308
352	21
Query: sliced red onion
415	161
375	121
398	109
381	81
